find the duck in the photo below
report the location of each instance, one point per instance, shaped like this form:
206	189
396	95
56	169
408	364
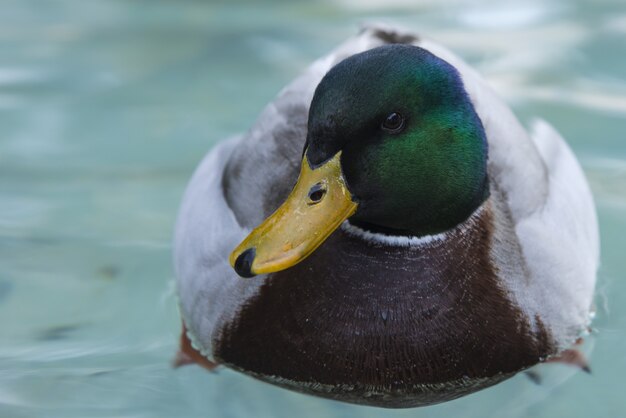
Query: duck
387	233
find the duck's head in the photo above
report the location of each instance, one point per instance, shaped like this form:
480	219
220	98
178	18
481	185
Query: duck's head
393	144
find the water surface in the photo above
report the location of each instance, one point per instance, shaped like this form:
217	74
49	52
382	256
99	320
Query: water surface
106	107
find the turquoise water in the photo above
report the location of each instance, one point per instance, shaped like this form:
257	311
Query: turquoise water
106	107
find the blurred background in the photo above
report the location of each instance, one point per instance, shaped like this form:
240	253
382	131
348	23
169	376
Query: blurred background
106	107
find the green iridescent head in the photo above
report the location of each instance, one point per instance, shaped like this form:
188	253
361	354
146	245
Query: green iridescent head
394	145
414	152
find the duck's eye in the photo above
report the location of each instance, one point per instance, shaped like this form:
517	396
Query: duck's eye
394	122
316	193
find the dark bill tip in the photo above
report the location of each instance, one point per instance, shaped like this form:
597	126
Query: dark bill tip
243	264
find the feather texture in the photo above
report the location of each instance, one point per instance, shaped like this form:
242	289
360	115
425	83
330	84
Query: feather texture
545	244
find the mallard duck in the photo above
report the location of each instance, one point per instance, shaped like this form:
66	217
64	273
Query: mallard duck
386	234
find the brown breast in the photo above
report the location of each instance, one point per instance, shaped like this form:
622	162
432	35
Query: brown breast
388	326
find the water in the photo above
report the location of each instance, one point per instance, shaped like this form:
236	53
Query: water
106	107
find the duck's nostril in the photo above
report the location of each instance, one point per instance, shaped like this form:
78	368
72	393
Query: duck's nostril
316	193
243	264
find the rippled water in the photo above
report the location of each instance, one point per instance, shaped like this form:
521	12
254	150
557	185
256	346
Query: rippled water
107	106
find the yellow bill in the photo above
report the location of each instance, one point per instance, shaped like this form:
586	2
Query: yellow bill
318	204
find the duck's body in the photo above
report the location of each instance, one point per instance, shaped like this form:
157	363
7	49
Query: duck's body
376	319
